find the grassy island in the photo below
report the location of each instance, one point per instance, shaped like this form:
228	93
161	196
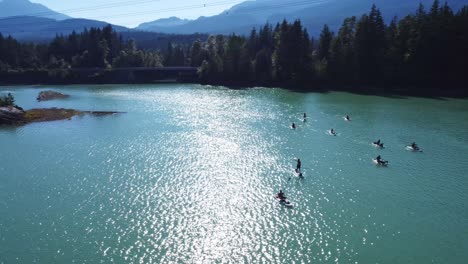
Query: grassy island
11	114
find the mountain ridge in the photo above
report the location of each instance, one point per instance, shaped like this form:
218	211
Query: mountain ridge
164	22
29	28
239	19
12	8
242	17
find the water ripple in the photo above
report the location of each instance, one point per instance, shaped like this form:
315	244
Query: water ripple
189	176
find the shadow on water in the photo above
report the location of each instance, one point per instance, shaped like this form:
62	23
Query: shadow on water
11	129
402	94
391	93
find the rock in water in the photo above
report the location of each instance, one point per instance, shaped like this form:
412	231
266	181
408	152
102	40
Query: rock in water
15	116
11	115
50	95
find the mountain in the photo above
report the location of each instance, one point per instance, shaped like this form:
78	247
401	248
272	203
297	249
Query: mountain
11	8
239	19
163	23
28	28
314	14
43	30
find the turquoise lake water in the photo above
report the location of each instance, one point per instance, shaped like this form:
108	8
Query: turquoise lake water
189	174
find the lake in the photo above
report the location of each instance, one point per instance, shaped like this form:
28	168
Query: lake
189	174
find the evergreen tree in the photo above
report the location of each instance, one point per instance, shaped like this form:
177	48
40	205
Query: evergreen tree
234	47
342	57
370	47
197	54
252	45
326	37
7	100
168	59
425	50
263	67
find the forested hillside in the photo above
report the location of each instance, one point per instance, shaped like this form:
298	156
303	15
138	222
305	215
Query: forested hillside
424	52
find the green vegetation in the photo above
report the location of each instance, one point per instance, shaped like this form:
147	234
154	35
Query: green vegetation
94	48
130	56
422	52
7	100
40	115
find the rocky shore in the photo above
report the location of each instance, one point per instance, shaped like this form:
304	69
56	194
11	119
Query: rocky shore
11	115
16	116
50	95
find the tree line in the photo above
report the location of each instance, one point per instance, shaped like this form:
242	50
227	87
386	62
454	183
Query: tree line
423	51
93	48
7	100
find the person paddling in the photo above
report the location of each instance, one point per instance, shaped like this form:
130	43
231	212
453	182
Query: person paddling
378	143
381	161
347	118
281	195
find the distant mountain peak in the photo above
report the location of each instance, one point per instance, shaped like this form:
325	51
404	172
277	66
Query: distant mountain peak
29	28
15	1
173	18
163	23
11	8
242	17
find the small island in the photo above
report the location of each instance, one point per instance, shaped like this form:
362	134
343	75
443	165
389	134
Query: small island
11	114
50	95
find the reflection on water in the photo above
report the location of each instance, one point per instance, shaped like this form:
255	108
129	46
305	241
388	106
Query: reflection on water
189	175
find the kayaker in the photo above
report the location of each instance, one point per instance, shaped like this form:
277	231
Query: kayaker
281	195
379	159
379	143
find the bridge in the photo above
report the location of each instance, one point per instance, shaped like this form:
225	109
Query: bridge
101	75
137	74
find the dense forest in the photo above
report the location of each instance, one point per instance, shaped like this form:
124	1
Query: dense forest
93	48
160	41
7	100
424	51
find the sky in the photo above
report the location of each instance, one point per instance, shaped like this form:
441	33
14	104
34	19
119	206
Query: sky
131	13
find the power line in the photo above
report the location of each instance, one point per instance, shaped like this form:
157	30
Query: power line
96	7
241	11
181	8
253	10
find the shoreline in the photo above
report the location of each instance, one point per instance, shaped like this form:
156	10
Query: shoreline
366	90
17	117
394	91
